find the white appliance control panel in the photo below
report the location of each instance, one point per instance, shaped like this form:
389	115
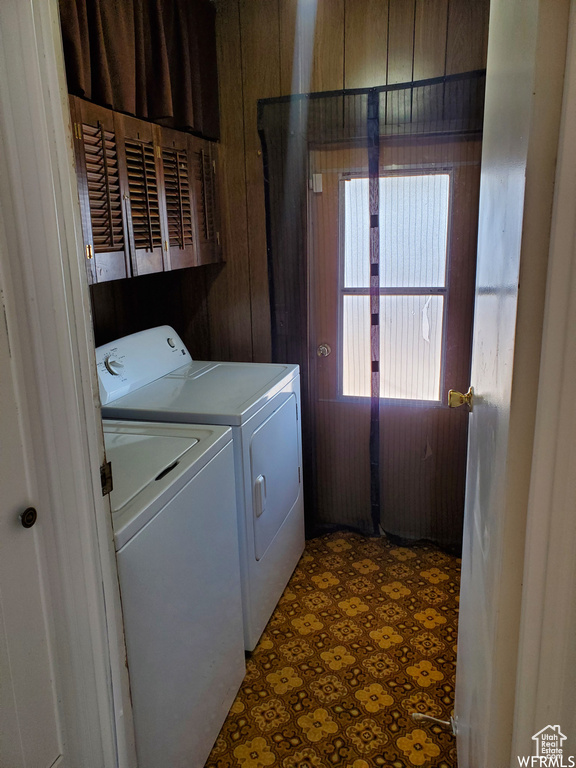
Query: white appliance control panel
136	360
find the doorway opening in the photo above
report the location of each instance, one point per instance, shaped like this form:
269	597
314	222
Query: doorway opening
373	196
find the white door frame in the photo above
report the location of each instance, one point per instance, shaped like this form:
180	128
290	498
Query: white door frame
49	306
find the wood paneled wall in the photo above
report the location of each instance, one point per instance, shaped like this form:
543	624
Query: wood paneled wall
269	48
176	298
264	52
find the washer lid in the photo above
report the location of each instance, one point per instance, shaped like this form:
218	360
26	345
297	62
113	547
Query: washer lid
140	459
142	487
205	392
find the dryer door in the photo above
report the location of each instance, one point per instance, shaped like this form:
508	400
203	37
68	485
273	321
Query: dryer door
274	467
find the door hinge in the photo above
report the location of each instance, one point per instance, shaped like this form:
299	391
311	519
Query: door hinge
106	478
299	476
77	130
297	412
89	251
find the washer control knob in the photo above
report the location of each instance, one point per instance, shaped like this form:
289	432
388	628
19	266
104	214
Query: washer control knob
113	366
172	343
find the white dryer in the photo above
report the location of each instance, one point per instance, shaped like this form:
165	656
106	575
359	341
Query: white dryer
174	516
150	376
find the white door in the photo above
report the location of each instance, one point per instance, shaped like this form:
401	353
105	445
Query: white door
29	731
526	54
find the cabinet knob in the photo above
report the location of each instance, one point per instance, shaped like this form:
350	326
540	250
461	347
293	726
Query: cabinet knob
28	517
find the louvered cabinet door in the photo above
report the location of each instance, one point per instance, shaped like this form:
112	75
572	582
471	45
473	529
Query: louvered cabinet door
140	176
206	202
177	185
101	204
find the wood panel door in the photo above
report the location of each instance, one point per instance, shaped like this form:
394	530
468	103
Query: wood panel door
428	223
178	186
205	174
101	198
140	178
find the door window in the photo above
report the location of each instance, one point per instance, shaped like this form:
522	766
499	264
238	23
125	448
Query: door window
414	217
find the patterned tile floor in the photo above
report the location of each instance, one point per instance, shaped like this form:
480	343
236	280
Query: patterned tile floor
364	635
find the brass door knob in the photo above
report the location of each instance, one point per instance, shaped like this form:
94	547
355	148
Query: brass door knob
456	399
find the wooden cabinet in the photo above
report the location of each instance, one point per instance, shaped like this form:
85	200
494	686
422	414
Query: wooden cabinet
204	159
148	195
102	202
178	187
140	174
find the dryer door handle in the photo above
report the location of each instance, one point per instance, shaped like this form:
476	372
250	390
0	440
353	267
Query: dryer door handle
260	495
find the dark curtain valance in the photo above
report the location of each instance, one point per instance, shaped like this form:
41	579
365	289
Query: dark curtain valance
144	57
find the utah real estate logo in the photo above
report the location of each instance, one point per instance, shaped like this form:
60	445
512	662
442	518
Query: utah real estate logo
549	750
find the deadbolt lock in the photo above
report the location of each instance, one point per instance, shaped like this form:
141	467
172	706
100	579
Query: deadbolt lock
323	350
456	399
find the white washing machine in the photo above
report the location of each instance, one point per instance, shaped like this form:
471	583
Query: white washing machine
150	376
174	518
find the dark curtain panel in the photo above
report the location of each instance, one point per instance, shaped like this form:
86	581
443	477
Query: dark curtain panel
154	59
100	51
75	40
364	188
191	55
153	40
